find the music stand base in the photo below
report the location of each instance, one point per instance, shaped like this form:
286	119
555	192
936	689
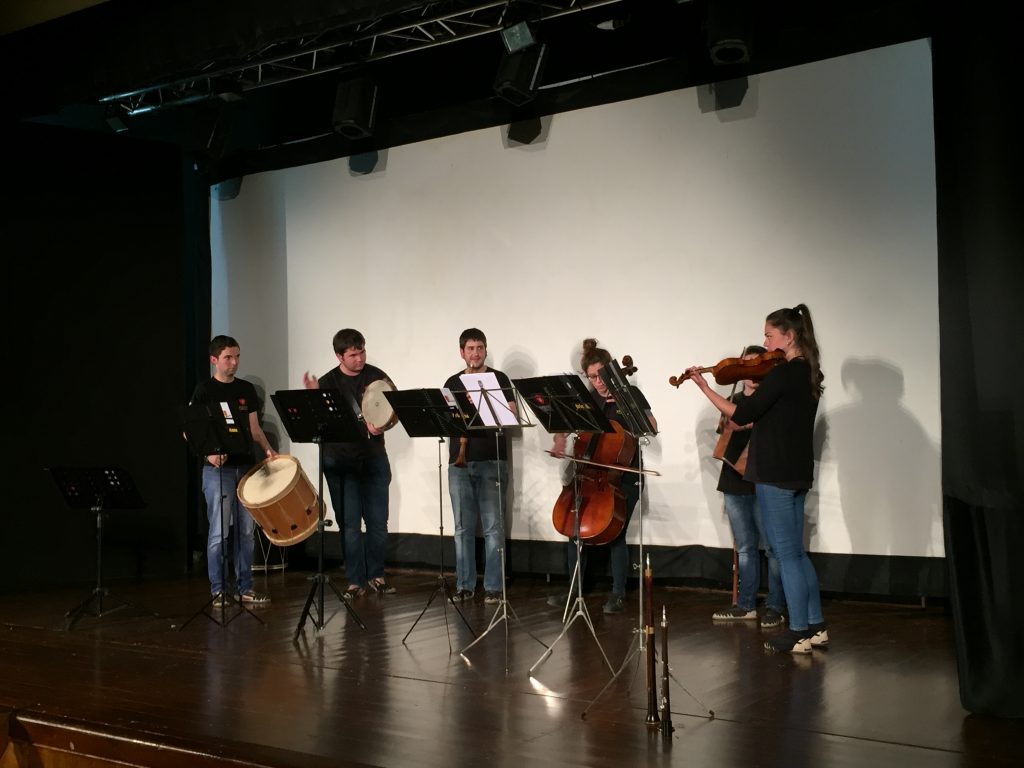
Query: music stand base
208	609
575	585
501	614
444	589
317	590
93	606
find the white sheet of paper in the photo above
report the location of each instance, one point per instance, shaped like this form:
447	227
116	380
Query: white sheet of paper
493	407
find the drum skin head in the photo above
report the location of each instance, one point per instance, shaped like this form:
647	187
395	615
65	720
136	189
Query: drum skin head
280	499
376	408
268	481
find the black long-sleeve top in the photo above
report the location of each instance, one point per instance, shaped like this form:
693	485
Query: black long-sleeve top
782	410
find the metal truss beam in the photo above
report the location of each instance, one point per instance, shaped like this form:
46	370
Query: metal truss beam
416	29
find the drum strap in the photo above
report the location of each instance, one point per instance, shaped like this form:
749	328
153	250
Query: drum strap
357	409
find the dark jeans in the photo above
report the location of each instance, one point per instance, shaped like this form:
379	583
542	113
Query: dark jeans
359	495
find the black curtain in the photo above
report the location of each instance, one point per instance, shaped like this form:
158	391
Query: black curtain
979	173
94	254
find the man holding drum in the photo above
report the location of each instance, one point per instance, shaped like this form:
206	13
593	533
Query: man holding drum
358	474
477	472
222	472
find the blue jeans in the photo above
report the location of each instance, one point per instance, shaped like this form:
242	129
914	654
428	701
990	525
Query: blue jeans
359	494
220	484
782	512
475	491
618	551
747	531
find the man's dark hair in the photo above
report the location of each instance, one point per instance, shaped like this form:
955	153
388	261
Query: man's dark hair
471	334
219	343
348	338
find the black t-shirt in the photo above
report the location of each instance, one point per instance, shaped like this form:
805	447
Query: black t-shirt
352	389
729	480
481	445
243	400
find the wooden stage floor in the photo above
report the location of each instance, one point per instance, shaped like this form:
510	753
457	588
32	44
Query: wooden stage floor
137	689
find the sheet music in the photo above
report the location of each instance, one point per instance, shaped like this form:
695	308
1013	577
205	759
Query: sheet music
489	400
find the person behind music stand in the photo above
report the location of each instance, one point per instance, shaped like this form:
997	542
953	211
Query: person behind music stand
477	472
358	474
594	358
223	471
745	521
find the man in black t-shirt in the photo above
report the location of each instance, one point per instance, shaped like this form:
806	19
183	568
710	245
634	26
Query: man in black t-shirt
358	474
477	475
237	398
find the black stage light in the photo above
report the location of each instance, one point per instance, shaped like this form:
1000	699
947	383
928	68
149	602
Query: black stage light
519	74
355	108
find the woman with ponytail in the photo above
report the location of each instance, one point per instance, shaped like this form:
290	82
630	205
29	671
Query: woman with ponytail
780	463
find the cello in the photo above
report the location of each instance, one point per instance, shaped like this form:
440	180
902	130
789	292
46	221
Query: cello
595	489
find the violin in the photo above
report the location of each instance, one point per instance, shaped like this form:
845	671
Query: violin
733	369
595	489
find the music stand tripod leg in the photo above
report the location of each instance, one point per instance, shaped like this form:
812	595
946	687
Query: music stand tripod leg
225	598
503	609
93	604
577	583
320	578
442	580
580	612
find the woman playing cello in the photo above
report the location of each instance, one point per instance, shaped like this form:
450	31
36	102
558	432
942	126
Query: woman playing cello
780	463
593	360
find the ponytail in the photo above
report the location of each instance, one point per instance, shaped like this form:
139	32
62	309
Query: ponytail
798	320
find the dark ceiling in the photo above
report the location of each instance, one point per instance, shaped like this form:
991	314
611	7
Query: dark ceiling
253	85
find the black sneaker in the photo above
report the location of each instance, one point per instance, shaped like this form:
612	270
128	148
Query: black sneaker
734	613
616	604
771	618
462	596
219	600
381	587
492	598
789	642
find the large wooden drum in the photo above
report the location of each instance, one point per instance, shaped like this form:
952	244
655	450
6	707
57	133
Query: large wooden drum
281	500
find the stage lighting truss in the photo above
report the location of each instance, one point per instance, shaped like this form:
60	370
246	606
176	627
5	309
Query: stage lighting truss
412	29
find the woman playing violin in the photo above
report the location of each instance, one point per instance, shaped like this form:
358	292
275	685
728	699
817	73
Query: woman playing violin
780	463
595	358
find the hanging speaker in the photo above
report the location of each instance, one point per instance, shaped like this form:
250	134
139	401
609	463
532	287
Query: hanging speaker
355	108
519	74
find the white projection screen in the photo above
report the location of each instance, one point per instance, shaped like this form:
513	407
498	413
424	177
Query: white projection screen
663	228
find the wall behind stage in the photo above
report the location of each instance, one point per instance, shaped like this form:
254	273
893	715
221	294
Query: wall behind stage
668	231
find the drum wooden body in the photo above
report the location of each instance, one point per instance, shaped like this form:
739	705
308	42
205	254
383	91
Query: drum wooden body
281	500
376	408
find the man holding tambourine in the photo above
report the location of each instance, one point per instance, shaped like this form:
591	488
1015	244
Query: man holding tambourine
358	474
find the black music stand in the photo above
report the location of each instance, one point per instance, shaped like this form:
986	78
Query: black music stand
98	489
485	407
563	403
319	416
635	421
426	413
212	429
